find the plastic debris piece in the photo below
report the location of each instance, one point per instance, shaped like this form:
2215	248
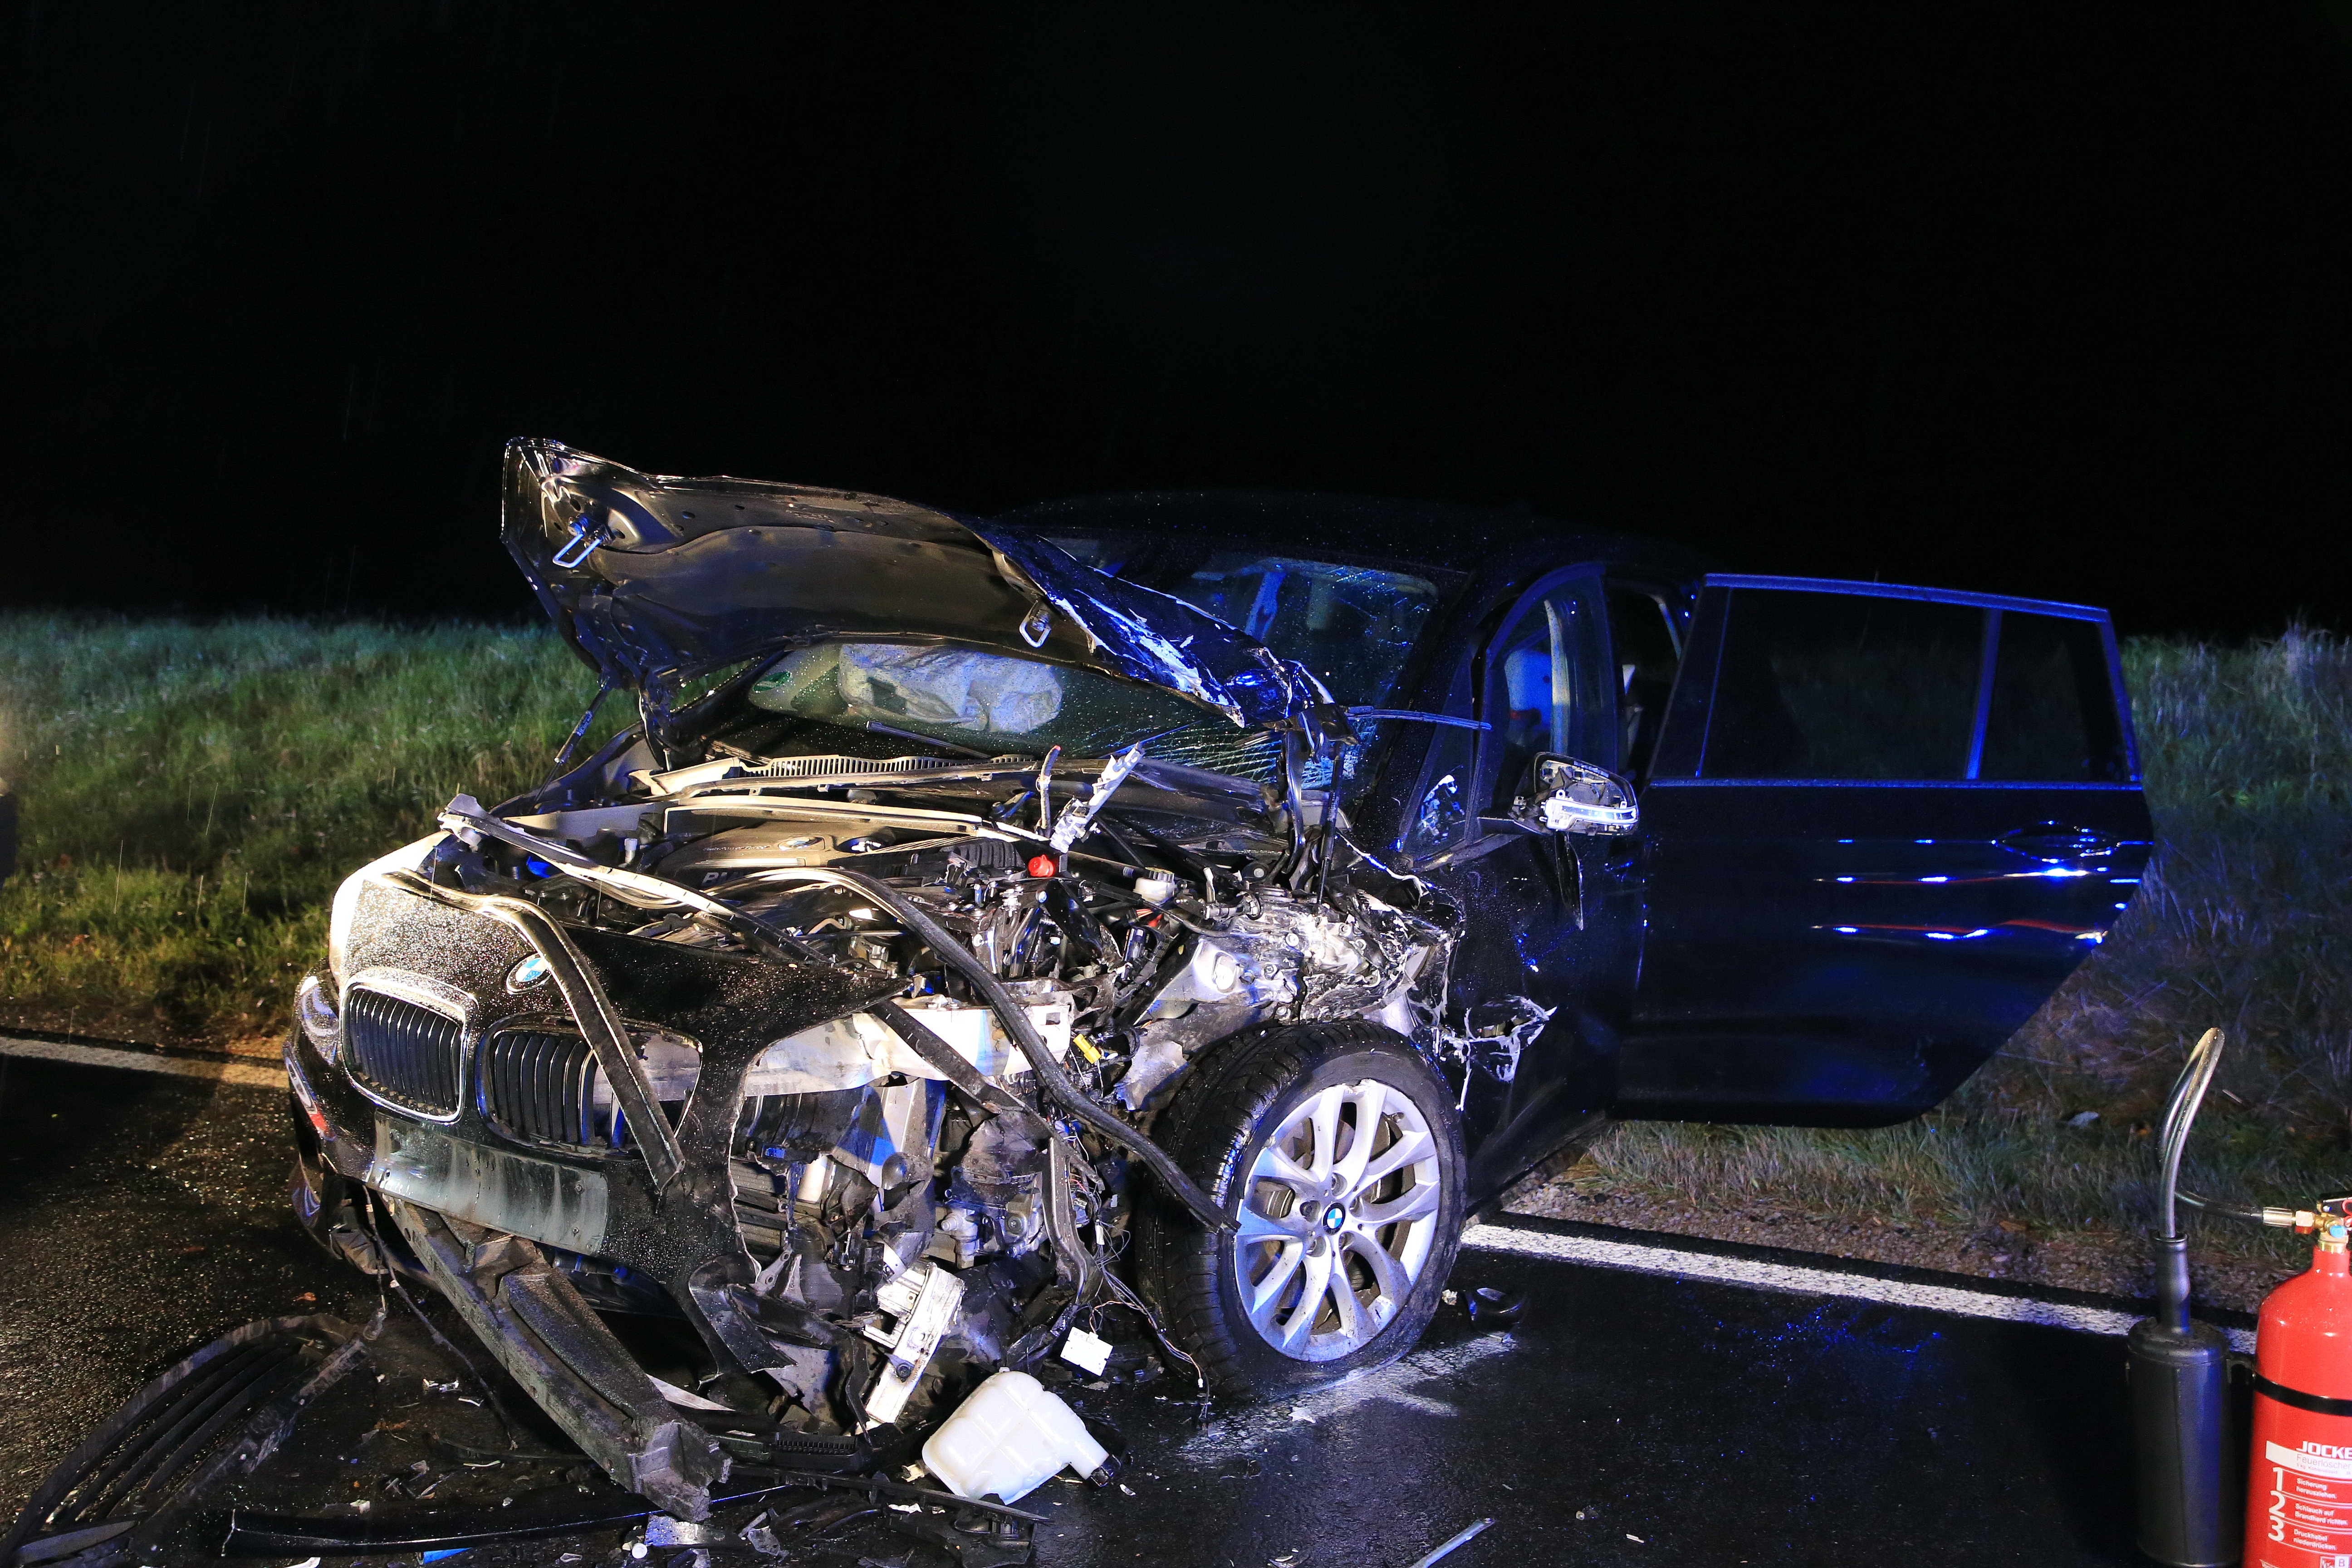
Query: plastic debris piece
438	1556
763	1539
1491	1308
1300	1412
2082	1119
1448	1545
661	1530
924	1315
1087	1351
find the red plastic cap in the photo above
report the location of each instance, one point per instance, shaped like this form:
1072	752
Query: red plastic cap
1042	866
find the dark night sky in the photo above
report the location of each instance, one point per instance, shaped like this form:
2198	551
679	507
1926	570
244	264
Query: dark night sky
2042	298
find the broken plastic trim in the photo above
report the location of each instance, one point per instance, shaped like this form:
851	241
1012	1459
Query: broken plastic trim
286	1535
266	1373
530	1317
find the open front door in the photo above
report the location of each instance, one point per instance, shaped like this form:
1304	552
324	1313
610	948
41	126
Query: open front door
1884	824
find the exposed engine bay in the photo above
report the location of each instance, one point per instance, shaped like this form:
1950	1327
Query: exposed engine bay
1015	959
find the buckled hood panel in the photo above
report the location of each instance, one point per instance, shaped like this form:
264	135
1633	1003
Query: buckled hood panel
653	578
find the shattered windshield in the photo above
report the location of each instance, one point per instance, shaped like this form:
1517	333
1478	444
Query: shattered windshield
1352	624
995	704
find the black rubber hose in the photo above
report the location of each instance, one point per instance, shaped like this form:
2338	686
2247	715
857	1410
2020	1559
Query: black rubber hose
1016	1023
2227	1211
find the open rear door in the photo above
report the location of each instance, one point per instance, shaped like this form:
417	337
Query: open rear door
1884	824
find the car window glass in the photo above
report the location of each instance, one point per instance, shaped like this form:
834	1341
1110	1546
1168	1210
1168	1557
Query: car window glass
1549	687
1442	812
1645	657
1352	624
1437	813
2053	714
1844	686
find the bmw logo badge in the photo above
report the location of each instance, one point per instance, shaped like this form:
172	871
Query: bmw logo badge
527	973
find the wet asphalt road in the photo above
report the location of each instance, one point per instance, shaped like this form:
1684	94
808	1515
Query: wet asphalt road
141	1217
1686	1421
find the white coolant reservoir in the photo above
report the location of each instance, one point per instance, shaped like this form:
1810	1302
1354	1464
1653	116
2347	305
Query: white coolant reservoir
1008	1439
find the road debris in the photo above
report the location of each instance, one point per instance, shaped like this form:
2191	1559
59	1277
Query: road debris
661	1530
1492	1308
1086	1351
1457	1541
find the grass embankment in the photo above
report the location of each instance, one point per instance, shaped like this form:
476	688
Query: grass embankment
2244	921
191	793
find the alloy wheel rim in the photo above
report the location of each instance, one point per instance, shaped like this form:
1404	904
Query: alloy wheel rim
1339	1217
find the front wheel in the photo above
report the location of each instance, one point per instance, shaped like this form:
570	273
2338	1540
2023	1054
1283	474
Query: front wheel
1335	1148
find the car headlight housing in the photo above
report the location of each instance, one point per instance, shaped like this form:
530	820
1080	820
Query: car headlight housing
345	906
315	1012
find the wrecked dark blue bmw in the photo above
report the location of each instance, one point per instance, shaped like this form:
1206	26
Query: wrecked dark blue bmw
1177	911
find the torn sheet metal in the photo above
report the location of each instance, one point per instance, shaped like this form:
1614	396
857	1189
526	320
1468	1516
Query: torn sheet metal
650	576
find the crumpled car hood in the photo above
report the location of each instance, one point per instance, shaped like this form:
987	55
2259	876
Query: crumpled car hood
654	578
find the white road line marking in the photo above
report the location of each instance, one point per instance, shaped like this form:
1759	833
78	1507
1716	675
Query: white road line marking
253	1074
1800	1280
1638	1257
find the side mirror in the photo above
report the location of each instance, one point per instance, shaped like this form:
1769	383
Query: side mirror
1564	795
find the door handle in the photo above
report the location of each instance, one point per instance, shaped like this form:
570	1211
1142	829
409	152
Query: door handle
2056	841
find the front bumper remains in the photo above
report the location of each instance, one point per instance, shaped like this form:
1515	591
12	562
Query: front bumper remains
477	1208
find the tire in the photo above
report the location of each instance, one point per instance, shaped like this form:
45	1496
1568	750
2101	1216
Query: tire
1271	1088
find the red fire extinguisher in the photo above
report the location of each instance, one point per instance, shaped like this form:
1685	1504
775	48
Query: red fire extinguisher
2299	1494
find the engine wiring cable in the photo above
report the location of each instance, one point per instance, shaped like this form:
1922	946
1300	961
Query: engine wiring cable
1136	1304
1048	1071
